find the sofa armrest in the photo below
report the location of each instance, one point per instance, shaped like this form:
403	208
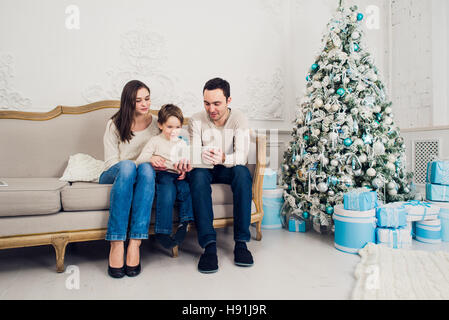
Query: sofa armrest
261	161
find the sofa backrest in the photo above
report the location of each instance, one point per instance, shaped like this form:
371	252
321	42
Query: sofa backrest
41	148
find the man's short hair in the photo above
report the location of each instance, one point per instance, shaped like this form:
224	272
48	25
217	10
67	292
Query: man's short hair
218	83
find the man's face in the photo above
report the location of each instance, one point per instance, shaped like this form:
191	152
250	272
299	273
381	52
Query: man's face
216	104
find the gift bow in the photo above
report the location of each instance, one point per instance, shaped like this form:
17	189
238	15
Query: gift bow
417	203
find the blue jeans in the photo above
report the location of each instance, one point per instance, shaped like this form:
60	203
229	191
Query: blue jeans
200	181
169	189
131	200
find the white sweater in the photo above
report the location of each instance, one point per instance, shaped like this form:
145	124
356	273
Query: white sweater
233	138
116	150
171	150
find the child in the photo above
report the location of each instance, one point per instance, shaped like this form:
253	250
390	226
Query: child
170	184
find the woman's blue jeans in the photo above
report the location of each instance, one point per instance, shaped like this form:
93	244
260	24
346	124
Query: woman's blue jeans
131	200
240	180
168	190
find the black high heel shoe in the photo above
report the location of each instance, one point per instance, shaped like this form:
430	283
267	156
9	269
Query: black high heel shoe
133	271
116	272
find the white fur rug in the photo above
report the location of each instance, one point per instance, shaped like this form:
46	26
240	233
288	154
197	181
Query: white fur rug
400	274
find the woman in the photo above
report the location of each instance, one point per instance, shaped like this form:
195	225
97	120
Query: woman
132	193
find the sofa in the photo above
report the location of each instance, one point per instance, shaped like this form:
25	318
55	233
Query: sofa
37	208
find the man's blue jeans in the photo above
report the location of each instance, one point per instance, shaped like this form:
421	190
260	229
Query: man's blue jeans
131	199
200	181
169	189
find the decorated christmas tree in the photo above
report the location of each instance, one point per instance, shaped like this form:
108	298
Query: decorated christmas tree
344	136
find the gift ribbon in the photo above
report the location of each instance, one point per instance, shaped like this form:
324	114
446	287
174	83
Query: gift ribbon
417	203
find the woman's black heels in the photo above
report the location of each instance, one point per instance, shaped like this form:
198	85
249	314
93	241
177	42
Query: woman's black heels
133	271
116	272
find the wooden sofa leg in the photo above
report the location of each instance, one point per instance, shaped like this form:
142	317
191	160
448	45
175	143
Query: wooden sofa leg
259	230
174	252
60	243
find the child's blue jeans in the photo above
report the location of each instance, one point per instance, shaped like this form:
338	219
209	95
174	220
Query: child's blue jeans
168	190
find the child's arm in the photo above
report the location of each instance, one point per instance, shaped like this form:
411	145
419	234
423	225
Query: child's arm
147	152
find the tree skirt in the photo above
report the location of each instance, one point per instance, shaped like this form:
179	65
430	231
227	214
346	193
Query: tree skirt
400	274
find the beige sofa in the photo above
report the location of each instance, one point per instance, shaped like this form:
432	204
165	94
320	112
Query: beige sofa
36	208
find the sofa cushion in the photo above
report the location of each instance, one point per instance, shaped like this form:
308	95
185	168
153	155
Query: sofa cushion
85	196
93	196
30	196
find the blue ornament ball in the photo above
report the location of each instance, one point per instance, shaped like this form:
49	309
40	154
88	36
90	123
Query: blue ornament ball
306	138
360	17
348	142
305	214
314	66
356	47
308	78
341	92
329	210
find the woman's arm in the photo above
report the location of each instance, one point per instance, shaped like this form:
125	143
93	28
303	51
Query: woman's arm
111	145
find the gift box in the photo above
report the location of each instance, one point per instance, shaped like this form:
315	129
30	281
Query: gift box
360	199
392	215
269	179
427	231
444	218
353	229
296	224
438	172
272	205
437	192
395	238
419	210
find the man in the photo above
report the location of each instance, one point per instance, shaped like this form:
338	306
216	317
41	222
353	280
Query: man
222	135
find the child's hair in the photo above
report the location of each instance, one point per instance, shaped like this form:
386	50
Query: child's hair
167	111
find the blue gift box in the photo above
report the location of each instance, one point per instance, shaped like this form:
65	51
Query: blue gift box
427	231
438	172
269	179
360	200
392	215
298	225
272	206
437	192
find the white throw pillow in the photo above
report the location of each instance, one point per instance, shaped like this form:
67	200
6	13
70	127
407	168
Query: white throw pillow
82	167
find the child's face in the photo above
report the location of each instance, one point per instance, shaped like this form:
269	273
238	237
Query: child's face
171	128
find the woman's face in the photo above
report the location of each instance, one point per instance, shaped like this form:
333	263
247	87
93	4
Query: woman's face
143	101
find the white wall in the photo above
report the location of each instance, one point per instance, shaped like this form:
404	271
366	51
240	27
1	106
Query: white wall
263	47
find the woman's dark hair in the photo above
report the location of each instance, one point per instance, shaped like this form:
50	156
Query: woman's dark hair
124	118
218	83
167	111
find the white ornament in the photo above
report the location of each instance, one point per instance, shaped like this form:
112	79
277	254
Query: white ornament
391	185
322	187
335	107
392	192
388	110
377	109
363	158
328	107
334	163
318	103
388	120
377	183
371	172
390	166
317	84
379	148
391	158
355	35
